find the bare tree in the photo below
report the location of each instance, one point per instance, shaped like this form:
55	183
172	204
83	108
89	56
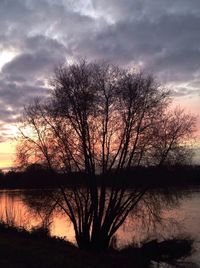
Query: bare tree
102	120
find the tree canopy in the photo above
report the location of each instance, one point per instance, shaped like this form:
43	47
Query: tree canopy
101	117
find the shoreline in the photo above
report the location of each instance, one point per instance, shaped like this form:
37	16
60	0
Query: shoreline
20	248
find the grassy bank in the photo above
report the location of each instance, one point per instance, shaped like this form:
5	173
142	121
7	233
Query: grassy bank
20	249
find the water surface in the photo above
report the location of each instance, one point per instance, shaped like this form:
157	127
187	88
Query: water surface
183	219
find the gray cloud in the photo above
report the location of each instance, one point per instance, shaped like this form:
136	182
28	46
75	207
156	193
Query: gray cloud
160	36
184	91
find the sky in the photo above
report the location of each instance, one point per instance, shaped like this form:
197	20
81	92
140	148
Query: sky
161	37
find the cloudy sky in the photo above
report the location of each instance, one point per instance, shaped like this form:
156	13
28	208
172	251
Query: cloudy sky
159	36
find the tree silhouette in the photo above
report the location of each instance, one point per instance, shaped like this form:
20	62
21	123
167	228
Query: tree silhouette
102	120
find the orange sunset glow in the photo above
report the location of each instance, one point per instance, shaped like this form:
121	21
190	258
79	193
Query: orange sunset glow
7	154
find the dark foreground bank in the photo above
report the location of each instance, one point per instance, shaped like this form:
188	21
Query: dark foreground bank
20	249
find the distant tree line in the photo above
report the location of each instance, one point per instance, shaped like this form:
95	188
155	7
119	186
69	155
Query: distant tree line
39	177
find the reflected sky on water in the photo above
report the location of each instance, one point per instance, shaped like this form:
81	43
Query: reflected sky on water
184	219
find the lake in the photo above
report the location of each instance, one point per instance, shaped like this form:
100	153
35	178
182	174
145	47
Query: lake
180	219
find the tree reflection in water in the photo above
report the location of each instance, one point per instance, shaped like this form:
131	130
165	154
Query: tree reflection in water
146	217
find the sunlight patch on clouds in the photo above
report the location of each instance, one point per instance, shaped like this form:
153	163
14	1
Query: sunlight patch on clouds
6	56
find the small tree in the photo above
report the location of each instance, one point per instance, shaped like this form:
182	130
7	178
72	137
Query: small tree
102	120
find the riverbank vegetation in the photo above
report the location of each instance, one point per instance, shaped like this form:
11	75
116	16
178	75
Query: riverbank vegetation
35	248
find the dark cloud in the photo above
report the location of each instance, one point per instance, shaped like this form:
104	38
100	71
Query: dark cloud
14	96
172	41
40	56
